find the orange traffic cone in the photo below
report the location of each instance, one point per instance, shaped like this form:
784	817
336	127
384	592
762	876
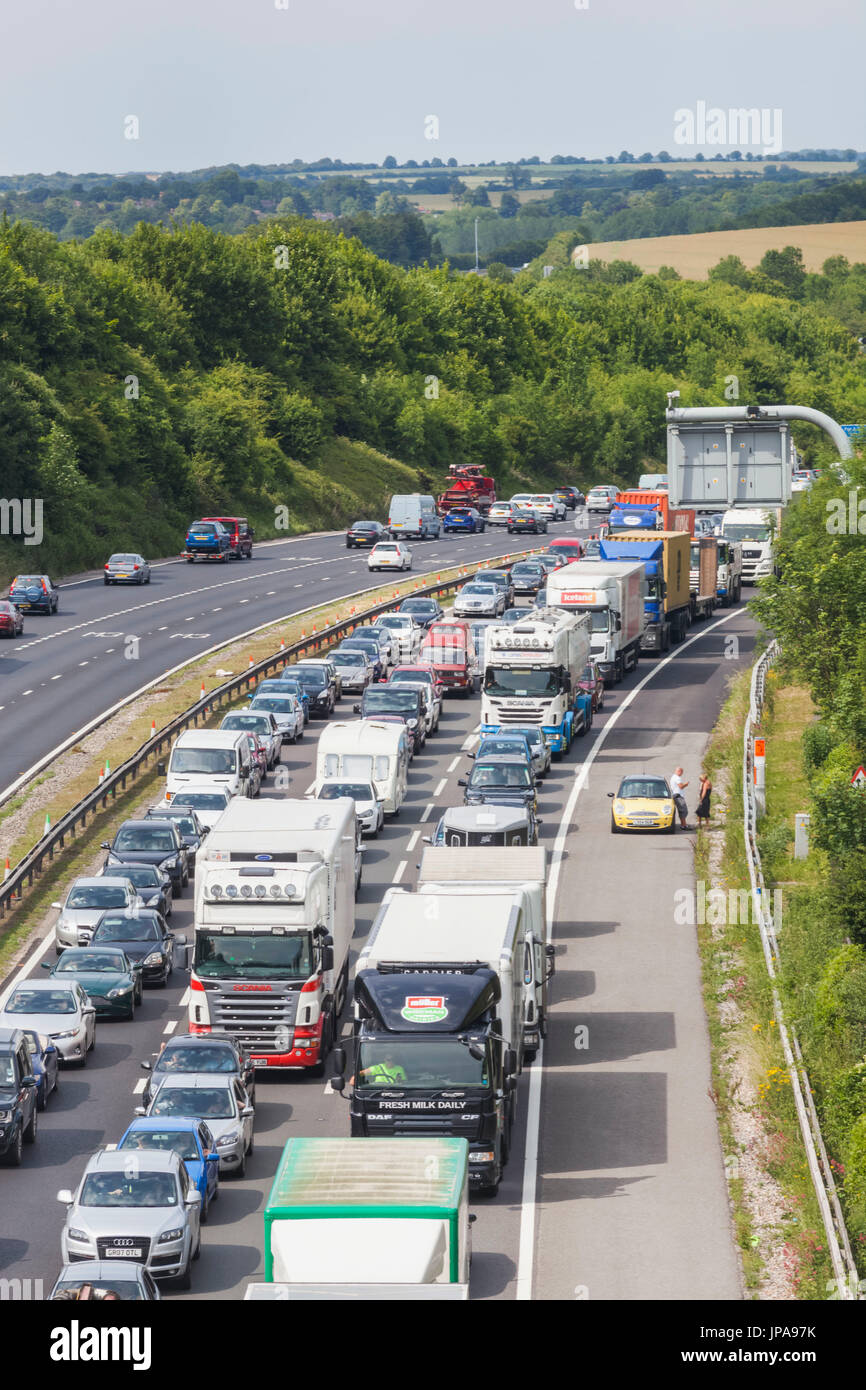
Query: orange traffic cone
202	690
153	728
7	870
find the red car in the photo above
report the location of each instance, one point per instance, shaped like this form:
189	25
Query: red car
11	621
569	547
592	682
240	535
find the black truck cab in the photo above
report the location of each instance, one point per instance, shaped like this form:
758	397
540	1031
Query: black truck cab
430	1058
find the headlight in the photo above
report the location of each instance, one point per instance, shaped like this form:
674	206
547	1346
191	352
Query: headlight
413	723
169	863
65	921
155	958
119	992
176	1233
228	1139
70	1033
74	1234
5	1116
618	807
482	1156
667	809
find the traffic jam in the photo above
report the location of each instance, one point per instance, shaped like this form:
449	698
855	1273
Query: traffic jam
272	827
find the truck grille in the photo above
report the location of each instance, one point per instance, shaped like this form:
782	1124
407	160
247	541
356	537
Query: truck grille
430	1124
529	714
254	1019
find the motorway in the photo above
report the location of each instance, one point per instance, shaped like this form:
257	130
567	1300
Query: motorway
67	669
630	1201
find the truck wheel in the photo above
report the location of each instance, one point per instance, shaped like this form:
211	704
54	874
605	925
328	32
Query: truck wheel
617	670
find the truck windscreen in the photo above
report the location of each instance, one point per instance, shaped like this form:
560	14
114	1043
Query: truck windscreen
521	680
445	1062
750	531
253	955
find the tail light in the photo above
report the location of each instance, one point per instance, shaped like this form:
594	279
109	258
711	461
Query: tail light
135	567
44	587
105	567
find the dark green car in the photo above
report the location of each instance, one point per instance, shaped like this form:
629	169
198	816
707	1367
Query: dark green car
109	977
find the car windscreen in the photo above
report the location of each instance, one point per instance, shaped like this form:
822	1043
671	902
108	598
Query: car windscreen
203	528
143	841
419	605
533	736
91	963
532	571
393	622
491	746
208	761
257	722
140	876
184	1057
204	1102
358	791
500	775
205	801
178	1141
127	1290
118	928
311	678
652	787
95	897
185	824
275	704
348	658
480	590
390	702
128	1189
41	1001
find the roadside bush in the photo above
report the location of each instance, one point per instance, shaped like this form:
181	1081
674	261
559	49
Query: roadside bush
841	986
817	742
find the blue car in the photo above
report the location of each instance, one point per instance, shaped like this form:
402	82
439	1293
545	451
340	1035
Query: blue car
463	519
207	540
190	1139
45	1064
273	685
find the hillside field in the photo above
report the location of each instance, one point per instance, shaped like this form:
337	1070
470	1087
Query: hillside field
692	256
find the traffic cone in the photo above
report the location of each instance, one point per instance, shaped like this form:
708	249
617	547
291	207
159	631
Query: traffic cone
252	663
202	690
47	824
101	776
107	767
153	728
282	645
7	870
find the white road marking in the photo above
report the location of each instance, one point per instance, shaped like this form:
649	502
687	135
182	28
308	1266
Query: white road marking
467	743
58	677
427	810
401	869
270	593
164	628
170	1026
452	765
441	787
329	1090
299	586
27	692
526	1246
84	663
184	998
412	841
139	1086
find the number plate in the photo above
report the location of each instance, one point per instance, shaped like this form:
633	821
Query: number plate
260	1061
131	1253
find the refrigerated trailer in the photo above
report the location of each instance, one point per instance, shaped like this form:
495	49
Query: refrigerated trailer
613	593
274	916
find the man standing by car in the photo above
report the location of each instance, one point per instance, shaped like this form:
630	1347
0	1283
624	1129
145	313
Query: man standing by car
677	788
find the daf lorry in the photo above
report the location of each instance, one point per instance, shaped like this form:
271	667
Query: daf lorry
613	593
532	671
703	575
754	530
375	1218
440	1002
665	557
648	510
274	916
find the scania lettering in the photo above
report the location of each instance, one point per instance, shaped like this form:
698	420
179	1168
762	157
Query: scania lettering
531	674
274	915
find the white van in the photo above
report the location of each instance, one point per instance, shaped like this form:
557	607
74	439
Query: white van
413	514
366	750
653	482
209	757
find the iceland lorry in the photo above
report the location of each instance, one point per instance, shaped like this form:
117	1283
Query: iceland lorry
613	594
665	557
375	1218
531	675
274	916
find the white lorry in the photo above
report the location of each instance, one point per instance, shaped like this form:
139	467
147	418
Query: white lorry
730	574
613	593
754	528
532	672
274	916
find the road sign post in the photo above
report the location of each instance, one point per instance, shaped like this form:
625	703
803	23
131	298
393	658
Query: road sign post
759	763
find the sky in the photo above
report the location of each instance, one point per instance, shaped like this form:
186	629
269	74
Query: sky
214	82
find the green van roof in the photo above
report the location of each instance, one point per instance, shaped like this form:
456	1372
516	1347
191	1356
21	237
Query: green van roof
398	1173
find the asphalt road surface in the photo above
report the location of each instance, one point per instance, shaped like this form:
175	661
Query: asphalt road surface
631	1198
67	669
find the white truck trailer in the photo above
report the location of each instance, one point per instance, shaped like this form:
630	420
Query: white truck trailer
613	594
532	671
274	916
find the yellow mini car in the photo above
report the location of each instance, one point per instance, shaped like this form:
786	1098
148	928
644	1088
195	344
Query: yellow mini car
643	802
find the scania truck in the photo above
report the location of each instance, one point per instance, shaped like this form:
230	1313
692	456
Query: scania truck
274	916
440	1000
532	671
613	593
665	557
